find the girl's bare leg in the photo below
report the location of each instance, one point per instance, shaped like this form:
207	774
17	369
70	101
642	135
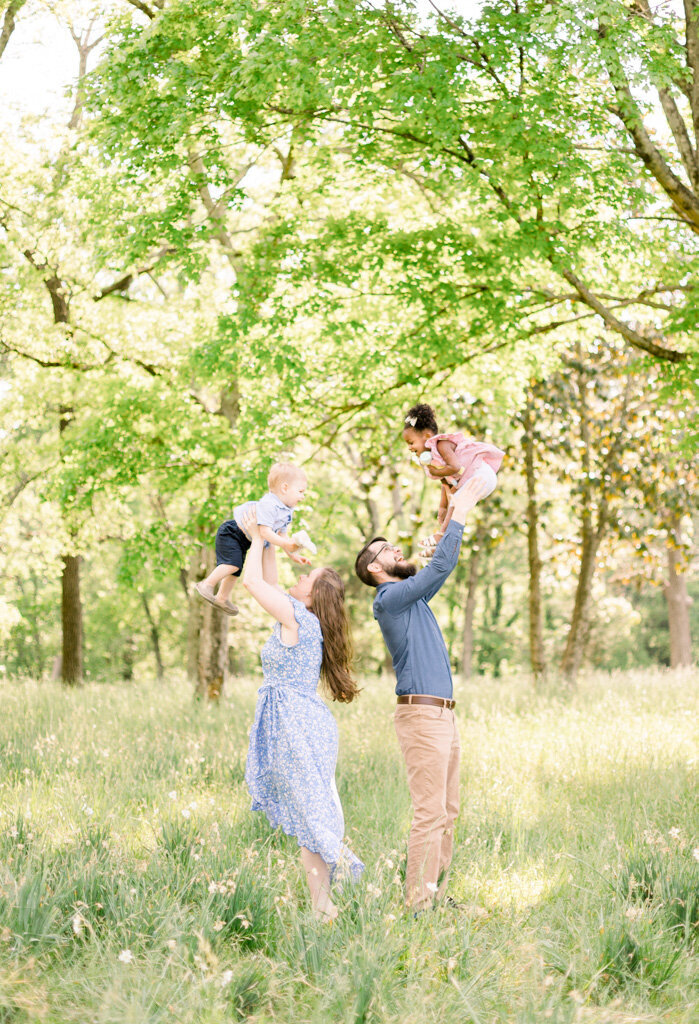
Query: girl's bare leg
318	878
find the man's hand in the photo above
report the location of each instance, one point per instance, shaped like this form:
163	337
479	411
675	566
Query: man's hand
465	498
299	559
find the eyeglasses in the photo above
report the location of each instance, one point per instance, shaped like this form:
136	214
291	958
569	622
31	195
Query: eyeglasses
383	547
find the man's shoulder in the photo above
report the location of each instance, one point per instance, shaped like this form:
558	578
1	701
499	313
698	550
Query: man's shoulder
383	589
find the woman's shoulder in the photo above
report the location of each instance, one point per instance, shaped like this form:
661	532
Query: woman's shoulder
304	616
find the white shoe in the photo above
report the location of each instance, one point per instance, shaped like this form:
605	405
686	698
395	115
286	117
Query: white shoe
302	539
428	545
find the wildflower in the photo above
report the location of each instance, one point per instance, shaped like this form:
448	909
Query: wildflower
373	890
78	924
126	956
186	813
173	794
219	926
226	978
431	886
695	852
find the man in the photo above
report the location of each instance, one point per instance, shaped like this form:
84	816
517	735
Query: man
424	719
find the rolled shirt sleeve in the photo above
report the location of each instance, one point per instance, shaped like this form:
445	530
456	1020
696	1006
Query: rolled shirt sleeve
397	597
410	630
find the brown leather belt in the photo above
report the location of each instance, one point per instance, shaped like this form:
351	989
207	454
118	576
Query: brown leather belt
423	698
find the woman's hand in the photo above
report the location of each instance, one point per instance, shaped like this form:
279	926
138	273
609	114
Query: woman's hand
251	526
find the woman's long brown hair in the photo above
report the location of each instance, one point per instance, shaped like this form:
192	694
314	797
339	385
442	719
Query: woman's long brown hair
328	605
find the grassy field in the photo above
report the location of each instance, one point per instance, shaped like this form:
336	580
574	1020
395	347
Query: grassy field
137	886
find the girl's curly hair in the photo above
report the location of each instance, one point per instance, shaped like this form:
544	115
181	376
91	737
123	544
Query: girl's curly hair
421	417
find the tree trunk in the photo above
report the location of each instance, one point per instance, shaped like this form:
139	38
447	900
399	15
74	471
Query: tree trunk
470	606
536	641
72	622
577	634
207	656
128	657
71	607
155	638
678	600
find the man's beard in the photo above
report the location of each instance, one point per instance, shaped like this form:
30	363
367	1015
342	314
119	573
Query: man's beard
403	570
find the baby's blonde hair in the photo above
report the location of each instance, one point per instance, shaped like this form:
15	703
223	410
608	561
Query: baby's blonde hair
283	473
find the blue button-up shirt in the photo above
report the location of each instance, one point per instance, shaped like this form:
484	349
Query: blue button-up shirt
270	511
413	638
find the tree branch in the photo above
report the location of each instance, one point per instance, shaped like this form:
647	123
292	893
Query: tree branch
8	23
125	282
622	328
683	200
691	18
143	8
63	364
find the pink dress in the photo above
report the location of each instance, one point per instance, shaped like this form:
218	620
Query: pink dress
472	455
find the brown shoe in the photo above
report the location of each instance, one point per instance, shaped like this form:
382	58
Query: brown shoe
225	606
206	591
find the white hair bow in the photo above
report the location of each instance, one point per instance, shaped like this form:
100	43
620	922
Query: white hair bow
411	420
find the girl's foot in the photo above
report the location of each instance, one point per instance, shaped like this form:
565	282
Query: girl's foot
428	544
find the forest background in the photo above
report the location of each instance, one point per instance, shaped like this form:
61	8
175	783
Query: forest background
257	230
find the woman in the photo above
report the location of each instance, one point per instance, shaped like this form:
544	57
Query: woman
290	768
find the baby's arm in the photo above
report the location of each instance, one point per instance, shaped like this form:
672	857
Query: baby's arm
286	543
278	539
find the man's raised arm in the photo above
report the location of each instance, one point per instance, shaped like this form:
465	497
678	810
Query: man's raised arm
426	583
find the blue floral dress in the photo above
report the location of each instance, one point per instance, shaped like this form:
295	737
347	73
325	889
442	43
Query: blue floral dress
290	768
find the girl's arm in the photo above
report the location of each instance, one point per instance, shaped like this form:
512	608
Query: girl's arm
443	503
266	594
446	449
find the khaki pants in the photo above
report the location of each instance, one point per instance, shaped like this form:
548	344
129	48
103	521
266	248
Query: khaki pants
429	740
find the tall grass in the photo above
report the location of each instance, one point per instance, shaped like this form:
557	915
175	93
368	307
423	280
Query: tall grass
137	885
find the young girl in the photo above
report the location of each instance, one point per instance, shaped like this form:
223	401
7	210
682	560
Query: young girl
451	458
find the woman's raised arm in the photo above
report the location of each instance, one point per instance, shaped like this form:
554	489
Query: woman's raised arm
273	600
